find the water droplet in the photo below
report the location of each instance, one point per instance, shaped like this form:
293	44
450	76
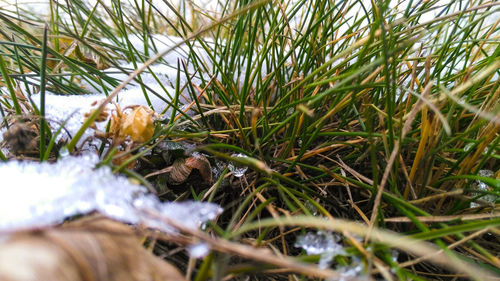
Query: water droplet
311	208
237	170
64	152
394	255
468	146
204	226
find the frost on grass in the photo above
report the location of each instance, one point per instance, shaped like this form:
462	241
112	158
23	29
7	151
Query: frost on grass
42	194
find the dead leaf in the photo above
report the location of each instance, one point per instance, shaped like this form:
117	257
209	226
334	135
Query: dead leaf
22	138
122	159
180	171
138	124
182	168
91	249
200	163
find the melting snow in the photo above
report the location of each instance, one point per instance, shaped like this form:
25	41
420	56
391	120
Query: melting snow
199	250
483	187
327	246
40	194
321	243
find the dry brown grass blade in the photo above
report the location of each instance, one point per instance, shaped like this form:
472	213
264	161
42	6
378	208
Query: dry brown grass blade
425	129
315	152
444	218
454	193
90	249
488	133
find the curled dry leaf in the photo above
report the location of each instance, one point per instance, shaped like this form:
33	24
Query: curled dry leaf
103	116
200	163
182	167
180	171
94	248
73	49
137	124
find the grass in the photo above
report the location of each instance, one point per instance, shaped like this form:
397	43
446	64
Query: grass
357	117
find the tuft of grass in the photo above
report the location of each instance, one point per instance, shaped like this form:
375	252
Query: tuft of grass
364	118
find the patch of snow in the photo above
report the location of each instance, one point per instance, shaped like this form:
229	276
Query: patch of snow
61	108
198	251
351	272
41	194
